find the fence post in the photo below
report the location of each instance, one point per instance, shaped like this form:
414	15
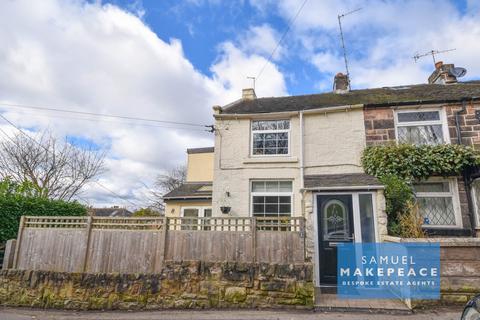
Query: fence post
303	236
164	242
88	230
161	246
9	254
254	238
19	242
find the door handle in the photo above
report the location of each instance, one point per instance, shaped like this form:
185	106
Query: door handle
334	244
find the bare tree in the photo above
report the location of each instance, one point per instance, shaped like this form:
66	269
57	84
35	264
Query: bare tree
58	170
167	182
172	179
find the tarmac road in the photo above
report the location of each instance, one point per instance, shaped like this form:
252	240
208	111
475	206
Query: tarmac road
40	314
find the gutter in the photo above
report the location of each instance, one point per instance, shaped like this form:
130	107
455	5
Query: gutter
419	102
318	110
466	178
189	198
363	188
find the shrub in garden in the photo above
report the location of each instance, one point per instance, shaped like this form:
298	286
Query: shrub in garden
397	166
18	199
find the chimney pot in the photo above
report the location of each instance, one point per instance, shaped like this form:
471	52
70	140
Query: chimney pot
217	109
249	94
442	74
340	83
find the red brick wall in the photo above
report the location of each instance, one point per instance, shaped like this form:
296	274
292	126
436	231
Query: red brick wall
469	125
380	129
379	125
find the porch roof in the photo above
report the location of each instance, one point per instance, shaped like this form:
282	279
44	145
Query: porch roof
342	181
191	190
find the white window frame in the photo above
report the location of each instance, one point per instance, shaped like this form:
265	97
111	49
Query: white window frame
266	194
201	210
475	202
455	202
270	131
442	121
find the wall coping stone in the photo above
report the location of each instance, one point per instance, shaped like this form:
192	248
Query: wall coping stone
444	242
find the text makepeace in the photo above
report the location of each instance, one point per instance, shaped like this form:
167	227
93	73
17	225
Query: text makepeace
381	272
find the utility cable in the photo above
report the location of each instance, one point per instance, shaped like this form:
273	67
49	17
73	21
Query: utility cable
71	165
289	26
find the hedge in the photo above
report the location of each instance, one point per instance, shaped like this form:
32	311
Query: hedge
16	202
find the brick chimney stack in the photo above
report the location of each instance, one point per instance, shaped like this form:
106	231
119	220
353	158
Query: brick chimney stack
249	94
442	74
340	83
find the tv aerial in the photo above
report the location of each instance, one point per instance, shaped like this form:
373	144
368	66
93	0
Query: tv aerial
457	72
340	16
253	79
431	53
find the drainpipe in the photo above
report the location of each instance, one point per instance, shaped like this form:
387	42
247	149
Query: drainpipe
466	178
302	166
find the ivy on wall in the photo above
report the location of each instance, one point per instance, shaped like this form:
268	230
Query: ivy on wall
412	162
397	166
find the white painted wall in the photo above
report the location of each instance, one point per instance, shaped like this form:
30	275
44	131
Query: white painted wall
333	143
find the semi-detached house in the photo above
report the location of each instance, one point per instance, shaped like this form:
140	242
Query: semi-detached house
301	156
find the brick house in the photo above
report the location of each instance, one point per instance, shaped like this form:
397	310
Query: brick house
301	156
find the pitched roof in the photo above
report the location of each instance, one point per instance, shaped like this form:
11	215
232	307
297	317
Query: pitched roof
194	190
200	150
111	212
401	95
330	181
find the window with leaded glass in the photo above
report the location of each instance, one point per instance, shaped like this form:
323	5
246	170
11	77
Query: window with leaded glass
271	198
420	127
476	199
270	137
437	203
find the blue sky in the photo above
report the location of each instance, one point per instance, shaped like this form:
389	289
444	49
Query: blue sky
174	60
202	26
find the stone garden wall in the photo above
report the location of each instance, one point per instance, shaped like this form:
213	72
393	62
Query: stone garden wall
459	269
179	285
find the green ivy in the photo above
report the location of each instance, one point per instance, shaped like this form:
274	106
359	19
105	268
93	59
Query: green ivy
18	199
397	166
412	162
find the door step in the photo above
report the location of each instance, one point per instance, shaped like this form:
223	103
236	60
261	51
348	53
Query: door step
330	302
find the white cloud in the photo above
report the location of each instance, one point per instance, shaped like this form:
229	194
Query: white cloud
382	38
263	40
99	58
234	66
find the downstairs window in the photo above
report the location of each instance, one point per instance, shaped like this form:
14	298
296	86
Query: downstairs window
437	201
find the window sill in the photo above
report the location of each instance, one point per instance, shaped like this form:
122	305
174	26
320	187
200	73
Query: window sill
270	159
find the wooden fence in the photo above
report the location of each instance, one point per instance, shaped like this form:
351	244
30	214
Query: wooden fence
2	253
141	245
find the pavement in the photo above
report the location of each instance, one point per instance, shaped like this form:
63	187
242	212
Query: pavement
40	314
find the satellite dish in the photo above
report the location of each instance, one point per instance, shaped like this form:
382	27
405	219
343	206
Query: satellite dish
458	72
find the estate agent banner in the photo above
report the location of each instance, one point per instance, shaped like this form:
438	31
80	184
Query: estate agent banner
388	270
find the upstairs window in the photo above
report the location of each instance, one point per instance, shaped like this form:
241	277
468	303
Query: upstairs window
421	127
270	137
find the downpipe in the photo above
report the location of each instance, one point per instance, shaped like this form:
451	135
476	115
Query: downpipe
466	177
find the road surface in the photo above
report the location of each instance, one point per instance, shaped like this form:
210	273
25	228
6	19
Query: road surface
40	314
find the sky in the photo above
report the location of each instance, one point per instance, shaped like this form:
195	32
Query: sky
173	60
